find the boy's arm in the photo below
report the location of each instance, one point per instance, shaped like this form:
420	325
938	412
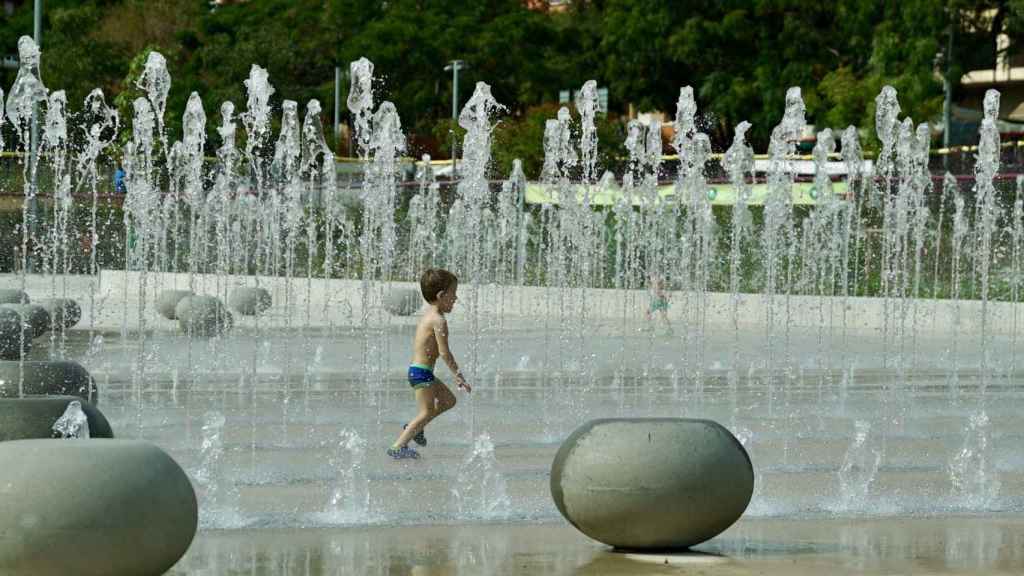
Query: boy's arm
441	335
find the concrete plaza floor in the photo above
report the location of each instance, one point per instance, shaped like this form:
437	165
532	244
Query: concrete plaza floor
946	545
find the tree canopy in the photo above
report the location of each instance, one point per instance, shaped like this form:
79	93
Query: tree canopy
739	55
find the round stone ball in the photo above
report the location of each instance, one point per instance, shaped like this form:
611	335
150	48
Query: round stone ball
203	316
167	302
34	417
93	507
64	312
249	300
12	344
47	378
651	483
13	296
35	318
403	301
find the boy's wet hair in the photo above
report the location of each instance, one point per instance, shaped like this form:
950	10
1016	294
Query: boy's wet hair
436	280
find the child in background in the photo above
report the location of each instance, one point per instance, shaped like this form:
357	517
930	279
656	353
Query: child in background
658	305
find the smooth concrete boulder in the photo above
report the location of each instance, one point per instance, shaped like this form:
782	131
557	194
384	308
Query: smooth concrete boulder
47	378
12	343
203	316
92	508
35	318
64	312
403	301
651	483
34	417
13	296
249	300
167	302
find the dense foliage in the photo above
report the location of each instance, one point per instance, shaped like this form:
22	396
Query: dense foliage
740	55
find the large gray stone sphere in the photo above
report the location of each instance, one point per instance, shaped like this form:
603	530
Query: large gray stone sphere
92	508
46	377
648	483
403	301
13	296
203	316
249	300
167	301
35	317
64	312
34	416
12	343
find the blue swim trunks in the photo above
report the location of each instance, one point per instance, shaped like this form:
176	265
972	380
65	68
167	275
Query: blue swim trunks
421	376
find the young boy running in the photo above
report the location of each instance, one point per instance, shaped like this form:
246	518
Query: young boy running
431	341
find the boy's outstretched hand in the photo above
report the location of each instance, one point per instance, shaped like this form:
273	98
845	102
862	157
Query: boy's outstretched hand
462	383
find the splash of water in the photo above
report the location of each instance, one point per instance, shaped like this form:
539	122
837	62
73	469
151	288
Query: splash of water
350	501
859	469
480	491
219	495
73	423
973	476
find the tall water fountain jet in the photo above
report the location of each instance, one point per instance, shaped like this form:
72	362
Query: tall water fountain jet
227	214
887	111
189	172
384	142
54	148
693	208
905	216
360	102
583	232
169	239
424	217
778	236
256	121
560	158
961	229
102	124
823	235
142	222
24	96
3	117
986	214
853	161
155	80
319	175
1016	264
27	91
739	165
477	118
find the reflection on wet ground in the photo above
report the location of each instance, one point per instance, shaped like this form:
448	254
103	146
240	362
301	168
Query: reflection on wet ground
950	545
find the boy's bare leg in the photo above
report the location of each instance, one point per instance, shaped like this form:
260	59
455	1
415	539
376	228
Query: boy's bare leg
425	400
445	398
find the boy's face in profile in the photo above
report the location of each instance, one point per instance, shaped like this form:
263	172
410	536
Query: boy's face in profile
446	299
